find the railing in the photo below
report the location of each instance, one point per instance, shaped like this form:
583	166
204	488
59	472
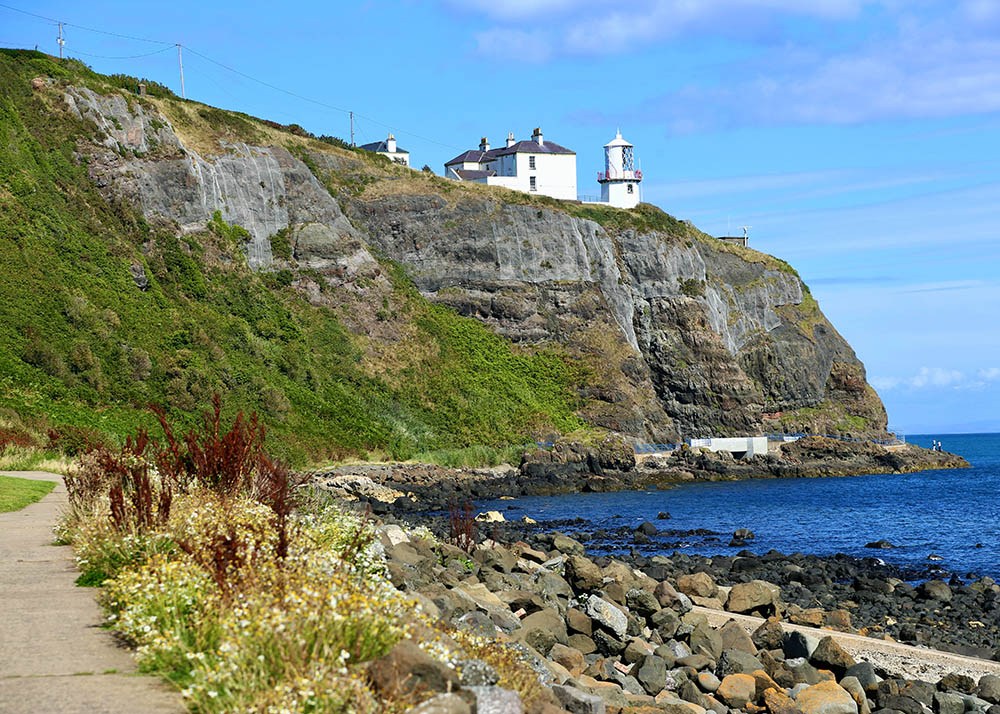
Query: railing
895	439
588	199
603	176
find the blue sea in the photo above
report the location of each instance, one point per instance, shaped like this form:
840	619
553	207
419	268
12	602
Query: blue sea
946	512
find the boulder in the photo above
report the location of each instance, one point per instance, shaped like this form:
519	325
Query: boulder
406	668
652	674
607	615
490	517
667	596
569	657
989	688
641	602
541	630
577	621
853	687
864	672
700	584
826	698
583	574
954	682
442	704
565	544
752	596
769	636
496	700
737	690
777	702
578	702
666	622
583	643
734	637
737	662
948	703
829	655
799	644
935	590
708	682
705	640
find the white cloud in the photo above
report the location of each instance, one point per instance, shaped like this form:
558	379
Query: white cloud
936	377
589	27
989	374
926	377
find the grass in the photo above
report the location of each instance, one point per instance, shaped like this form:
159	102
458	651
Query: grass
16	493
244	599
81	348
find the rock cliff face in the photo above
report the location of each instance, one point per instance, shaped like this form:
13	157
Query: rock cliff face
679	334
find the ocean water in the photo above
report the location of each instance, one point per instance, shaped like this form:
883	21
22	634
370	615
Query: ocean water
954	514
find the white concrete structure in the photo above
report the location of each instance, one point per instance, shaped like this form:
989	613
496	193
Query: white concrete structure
388	148
535	166
620	180
738	445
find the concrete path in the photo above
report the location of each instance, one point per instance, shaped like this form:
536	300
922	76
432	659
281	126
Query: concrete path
893	657
53	656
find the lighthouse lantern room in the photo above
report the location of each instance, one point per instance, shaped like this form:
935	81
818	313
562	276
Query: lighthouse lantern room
619	180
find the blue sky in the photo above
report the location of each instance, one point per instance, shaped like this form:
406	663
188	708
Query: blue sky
860	140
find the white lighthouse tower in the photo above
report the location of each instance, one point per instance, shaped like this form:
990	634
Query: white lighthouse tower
619	180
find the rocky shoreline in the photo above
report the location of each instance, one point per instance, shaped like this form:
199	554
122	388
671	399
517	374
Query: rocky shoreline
629	635
568	467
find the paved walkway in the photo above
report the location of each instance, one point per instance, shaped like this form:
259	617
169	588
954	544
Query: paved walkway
53	656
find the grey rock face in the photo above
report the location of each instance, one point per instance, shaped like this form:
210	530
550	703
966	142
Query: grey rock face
700	340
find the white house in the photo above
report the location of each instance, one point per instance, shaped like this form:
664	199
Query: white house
620	179
389	149
535	166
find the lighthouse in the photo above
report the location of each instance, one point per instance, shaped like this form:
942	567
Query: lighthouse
619	180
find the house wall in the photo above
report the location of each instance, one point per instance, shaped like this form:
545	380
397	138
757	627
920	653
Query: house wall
398	157
555	174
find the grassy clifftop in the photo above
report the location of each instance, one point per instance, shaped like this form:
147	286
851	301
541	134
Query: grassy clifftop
81	344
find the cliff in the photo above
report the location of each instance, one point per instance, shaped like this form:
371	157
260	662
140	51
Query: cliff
626	321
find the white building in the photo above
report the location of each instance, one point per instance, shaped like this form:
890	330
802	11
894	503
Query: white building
619	180
535	166
389	149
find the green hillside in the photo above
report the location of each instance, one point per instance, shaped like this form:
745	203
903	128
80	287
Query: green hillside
82	345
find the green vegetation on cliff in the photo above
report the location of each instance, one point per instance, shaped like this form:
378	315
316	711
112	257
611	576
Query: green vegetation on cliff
81	344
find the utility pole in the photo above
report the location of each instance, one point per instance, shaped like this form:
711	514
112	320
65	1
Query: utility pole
180	63
352	129
61	41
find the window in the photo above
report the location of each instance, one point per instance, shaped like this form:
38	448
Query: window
630	188
531	162
531	181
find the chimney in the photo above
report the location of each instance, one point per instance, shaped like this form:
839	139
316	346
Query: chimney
537	136
484	144
510	139
390	144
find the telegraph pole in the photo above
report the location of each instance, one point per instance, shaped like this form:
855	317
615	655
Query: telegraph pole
352	128
180	63
61	41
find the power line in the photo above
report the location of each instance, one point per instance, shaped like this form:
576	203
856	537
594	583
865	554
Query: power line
147	54
228	68
84	27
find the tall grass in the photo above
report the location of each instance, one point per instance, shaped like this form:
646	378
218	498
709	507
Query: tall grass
472	456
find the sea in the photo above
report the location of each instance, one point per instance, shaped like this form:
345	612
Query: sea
951	514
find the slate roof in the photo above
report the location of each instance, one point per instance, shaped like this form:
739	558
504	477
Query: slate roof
383	147
521	147
472	174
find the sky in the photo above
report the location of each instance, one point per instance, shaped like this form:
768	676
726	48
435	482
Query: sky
859	140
